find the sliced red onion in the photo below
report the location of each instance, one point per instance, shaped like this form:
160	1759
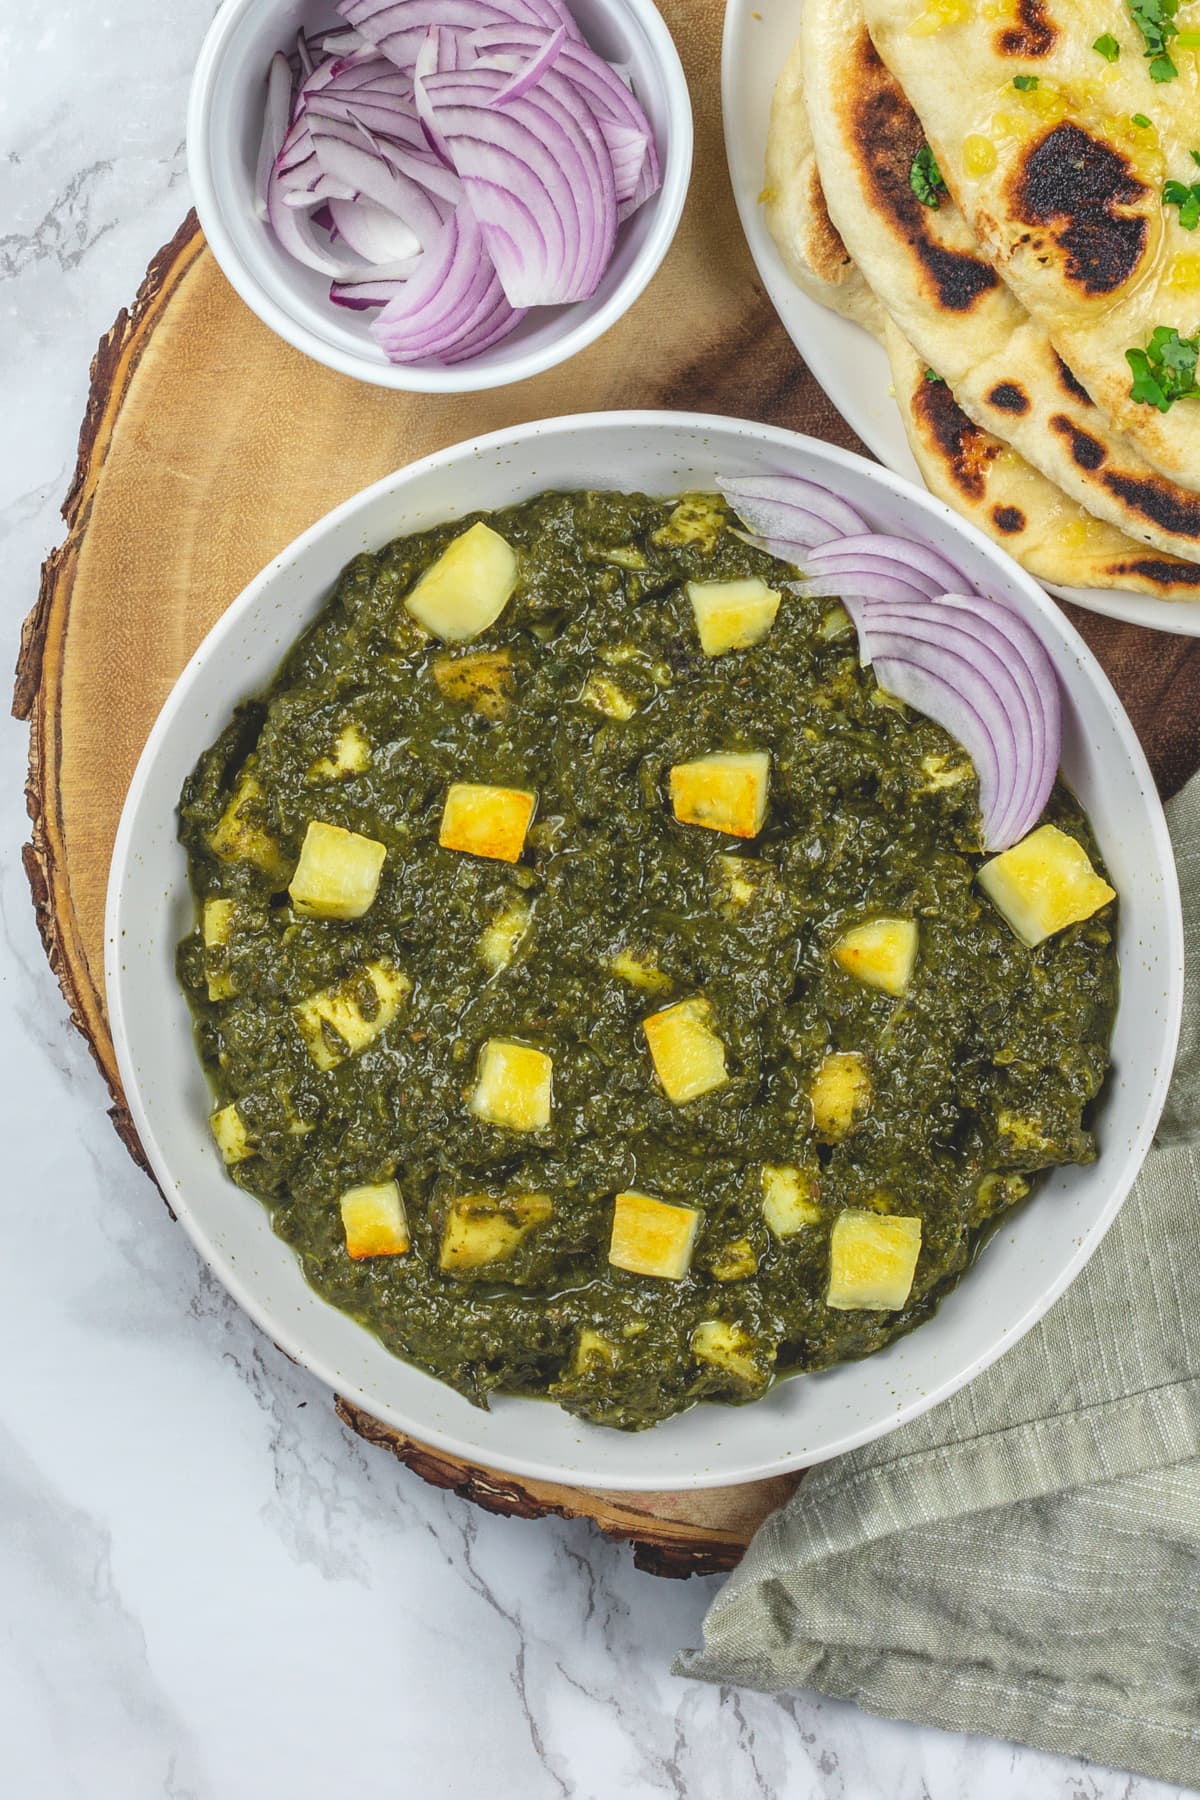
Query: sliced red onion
536	173
452	302
979	670
789	510
375	234
912	560
859	581
364	296
275	125
398	26
340	43
303	55
524	79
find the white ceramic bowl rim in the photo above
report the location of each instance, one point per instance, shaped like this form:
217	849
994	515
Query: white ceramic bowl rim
278	299
784	1442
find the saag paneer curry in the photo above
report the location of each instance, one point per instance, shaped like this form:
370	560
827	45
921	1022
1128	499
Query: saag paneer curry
594	973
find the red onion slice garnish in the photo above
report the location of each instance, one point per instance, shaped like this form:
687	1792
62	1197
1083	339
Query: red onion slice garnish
791	510
377	235
275	125
537	175
912	559
398	26
1007	666
523	79
860	581
452	302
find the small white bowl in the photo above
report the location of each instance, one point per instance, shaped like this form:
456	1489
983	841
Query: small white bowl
225	116
1033	1254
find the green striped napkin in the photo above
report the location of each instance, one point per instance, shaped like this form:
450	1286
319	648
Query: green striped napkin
1024	1561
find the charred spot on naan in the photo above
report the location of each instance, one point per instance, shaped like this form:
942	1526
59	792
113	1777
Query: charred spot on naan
1080	191
824	250
1087	452
1009	397
1164	571
1034	34
1070	385
886	135
1008	519
964	450
1159	500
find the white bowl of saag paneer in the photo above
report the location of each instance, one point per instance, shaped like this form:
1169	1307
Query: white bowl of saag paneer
587	1014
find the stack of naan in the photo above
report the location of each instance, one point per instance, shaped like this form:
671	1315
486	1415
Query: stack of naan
984	185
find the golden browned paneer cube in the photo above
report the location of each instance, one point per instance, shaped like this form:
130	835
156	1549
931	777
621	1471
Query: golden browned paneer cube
514	1086
486	821
602	694
480	1229
217	930
840	1092
789	1198
697	519
653	1237
1043	884
468	586
375	1221
337	876
735	1261
351	754
872	1260
482	680
341	1021
723	792
689	1057
233	1140
732	615
498	944
240	835
728	1347
880	953
639	971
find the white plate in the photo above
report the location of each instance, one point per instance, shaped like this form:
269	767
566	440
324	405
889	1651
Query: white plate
1028	1262
845	359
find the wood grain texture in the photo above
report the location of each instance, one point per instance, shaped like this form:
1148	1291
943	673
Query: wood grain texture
208	445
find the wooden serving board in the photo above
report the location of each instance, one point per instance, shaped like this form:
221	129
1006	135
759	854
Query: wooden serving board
208	445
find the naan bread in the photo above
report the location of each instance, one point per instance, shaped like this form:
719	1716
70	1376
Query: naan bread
987	482
949	302
1062	189
796	214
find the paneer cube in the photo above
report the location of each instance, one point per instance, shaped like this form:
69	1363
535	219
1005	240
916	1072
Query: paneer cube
689	1057
738	882
486	821
653	1237
840	1092
640	971
723	792
337	876
1043	884
593	1351
789	1198
498	944
240	834
872	1260
343	1020
482	680
734	1261
732	615
468	587
375	1221
217	929
731	1348
697	519
602	694
233	1140
351	754
879	953
481	1230
514	1086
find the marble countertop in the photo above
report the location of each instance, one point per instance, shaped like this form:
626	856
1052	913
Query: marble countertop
209	1587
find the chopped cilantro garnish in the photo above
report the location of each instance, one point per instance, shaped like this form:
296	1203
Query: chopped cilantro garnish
925	178
1108	46
1026	83
1165	371
1141	120
1187	199
932	375
1155	19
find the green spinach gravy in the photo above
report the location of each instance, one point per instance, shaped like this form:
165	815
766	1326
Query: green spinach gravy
979	1074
